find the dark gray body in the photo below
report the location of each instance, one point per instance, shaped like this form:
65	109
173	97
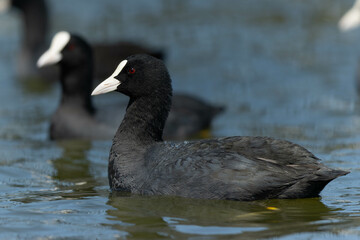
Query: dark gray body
237	168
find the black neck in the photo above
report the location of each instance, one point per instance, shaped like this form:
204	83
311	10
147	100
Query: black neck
145	119
76	83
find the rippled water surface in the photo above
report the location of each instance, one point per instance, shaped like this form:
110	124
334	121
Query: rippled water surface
281	68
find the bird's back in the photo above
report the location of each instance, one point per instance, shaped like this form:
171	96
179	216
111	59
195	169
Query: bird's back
241	168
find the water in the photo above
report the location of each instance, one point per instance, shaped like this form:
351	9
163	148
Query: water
282	69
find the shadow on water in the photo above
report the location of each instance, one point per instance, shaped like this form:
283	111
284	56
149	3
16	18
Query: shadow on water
156	217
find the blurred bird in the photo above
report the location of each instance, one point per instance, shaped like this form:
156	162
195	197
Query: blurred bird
35	28
76	116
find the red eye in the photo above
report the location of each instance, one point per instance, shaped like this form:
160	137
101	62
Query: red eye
71	46
131	70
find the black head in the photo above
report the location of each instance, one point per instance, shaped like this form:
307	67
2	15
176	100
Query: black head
146	81
76	53
74	56
138	76
67	50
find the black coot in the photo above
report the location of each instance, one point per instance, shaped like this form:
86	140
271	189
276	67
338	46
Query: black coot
35	28
75	116
237	168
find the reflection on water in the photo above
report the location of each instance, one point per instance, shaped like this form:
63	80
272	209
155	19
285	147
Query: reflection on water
35	85
72	170
280	67
178	217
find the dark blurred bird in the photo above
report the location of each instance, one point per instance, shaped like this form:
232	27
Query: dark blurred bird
35	28
75	116
237	168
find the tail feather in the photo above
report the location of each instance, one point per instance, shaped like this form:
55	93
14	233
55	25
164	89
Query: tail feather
311	187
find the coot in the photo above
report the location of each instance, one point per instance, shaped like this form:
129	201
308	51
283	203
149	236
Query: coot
35	30
237	168
75	116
